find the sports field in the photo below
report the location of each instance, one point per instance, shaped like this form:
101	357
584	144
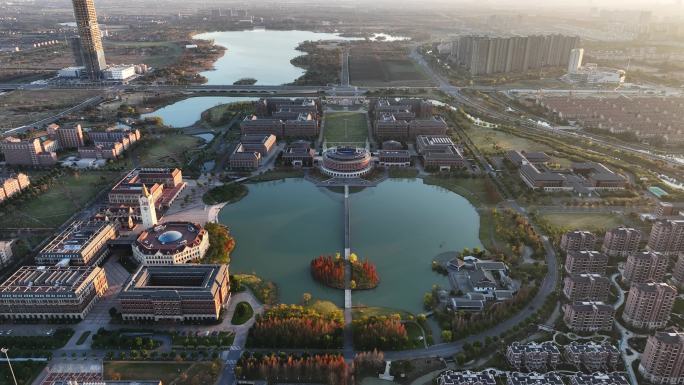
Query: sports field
343	127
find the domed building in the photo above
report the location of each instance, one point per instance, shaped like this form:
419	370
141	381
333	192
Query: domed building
171	243
346	162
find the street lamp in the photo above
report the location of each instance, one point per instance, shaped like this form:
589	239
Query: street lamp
5	350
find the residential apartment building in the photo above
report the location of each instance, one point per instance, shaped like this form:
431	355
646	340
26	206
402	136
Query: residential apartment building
586	287
678	272
592	356
452	377
489	55
586	262
663	359
533	356
667	237
644	267
51	292
29	152
615	378
621	242
81	243
578	240
533	378
70	137
12	185
175	293
587	316
649	305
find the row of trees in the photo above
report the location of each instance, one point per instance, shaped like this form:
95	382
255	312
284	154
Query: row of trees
384	332
324	368
115	339
296	327
221	244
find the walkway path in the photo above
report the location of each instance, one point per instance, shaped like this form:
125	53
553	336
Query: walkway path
624	334
348	337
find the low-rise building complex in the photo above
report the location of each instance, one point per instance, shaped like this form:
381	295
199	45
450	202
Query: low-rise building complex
81	243
171	243
176	292
50	292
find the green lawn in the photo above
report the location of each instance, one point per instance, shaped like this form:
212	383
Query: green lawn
243	313
170	151
491	141
584	220
167	372
83	337
54	206
678	307
345	127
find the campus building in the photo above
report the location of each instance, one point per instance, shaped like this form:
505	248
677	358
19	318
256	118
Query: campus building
299	154
440	152
6	253
175	292
11	185
171	243
599	177
452	377
663	359
578	240
394	158
263	144
533	356
644	267
592	356
164	185
586	262
346	162
69	137
251	151
649	305
81	243
667	237
587	316
621	242
51	292
109	144
586	287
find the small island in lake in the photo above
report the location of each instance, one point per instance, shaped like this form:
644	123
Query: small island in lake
330	271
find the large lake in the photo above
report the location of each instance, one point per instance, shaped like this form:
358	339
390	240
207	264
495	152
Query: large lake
401	225
260	54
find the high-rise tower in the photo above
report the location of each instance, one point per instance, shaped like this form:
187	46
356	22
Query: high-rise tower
148	212
91	40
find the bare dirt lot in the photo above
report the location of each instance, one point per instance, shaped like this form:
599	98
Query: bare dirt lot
21	107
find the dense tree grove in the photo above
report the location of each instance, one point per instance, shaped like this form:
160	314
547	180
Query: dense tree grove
220	243
385	333
330	271
515	229
325	368
296	327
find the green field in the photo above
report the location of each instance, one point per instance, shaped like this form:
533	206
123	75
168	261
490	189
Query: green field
345	127
168	152
387	66
60	201
491	141
167	372
595	221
